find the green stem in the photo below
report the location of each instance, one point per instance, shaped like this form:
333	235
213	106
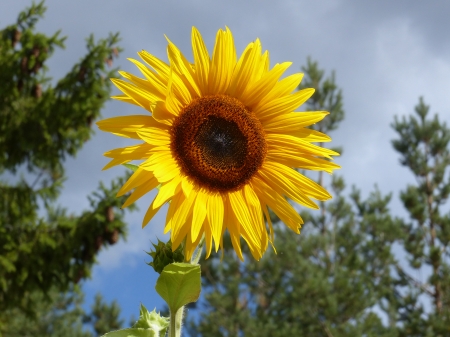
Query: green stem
175	323
176	319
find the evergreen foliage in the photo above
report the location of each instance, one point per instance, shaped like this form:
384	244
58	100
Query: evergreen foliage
44	250
63	316
424	148
104	317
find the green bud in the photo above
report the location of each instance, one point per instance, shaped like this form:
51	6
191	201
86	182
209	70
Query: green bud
163	255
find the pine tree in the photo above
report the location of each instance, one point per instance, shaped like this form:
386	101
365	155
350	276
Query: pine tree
42	122
325	282
424	148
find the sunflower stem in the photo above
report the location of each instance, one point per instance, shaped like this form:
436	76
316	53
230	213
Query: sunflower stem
176	320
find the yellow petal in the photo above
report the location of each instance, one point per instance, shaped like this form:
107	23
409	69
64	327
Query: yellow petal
305	184
126	99
269	222
177	199
187	186
182	234
296	146
199	213
155	82
181	215
141	190
282	185
281	89
139	95
283	105
242	74
208	237
134	152
161	114
127	154
201	61
254	93
215	216
256	215
177	95
190	247
139	177
127	126
151	211
115	162
222	63
154	136
167	191
293	121
233	225
309	135
166	172
161	68
278	204
152	93
302	161
183	69
241	211
158	158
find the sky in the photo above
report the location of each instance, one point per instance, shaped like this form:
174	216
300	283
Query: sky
385	54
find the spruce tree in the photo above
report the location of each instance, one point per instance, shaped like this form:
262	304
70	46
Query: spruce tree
44	250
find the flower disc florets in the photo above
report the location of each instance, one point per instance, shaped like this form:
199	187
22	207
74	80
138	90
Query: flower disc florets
218	142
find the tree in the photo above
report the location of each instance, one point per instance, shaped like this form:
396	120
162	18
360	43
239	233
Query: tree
424	148
42	122
63	316
325	282
104	317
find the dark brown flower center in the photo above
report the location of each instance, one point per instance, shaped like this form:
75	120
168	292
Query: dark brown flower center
218	142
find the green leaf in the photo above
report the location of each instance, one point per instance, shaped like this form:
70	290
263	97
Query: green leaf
149	324
131	167
179	284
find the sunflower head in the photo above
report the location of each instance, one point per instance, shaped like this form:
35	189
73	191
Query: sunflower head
223	141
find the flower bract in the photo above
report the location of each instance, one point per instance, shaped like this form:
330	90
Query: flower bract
222	142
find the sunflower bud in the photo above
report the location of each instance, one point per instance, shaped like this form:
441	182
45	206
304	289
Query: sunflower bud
163	255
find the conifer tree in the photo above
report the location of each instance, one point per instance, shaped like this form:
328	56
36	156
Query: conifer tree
64	316
424	148
104	317
325	282
44	250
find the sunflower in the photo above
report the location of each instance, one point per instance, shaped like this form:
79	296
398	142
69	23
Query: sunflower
221	142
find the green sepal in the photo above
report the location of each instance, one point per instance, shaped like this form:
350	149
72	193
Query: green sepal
149	324
131	167
179	284
163	255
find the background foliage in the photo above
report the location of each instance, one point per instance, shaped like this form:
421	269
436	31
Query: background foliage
44	251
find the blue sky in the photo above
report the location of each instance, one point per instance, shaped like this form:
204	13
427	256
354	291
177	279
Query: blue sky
386	54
